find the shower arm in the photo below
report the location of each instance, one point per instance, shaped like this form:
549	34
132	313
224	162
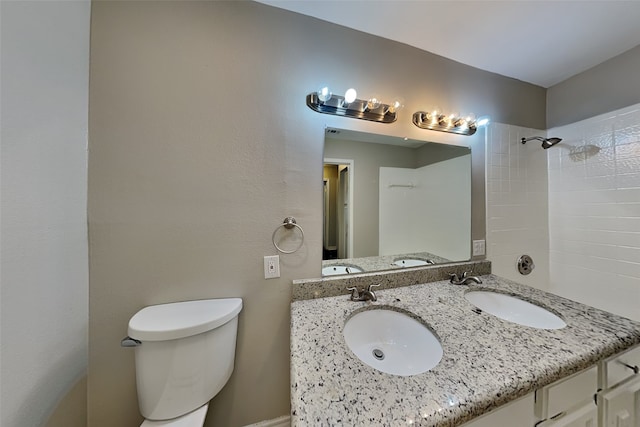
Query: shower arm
546	142
537	138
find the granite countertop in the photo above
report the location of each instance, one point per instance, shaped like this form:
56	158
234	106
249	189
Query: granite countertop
487	361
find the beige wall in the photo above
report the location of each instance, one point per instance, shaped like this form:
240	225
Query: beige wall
606	87
200	144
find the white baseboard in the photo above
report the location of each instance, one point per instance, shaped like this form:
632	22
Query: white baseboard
284	421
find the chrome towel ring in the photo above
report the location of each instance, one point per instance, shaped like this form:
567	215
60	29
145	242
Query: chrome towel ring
288	223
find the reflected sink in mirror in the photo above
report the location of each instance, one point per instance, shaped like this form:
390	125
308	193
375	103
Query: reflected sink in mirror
412	262
514	309
392	342
333	270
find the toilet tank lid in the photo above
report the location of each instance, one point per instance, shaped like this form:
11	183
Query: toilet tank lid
182	319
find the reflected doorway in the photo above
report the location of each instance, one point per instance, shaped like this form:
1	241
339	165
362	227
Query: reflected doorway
337	209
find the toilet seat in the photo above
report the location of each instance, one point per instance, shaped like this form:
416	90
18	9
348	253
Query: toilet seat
192	419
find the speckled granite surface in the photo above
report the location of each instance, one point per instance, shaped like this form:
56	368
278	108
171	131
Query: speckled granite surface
487	361
384	262
336	285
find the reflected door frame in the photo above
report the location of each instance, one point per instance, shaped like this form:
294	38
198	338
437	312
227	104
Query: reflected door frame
350	166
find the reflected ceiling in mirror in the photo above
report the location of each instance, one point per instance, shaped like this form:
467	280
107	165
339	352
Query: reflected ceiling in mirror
392	203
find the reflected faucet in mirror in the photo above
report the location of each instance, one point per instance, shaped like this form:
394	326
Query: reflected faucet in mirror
393	202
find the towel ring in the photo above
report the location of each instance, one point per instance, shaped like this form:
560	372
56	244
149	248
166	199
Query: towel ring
288	223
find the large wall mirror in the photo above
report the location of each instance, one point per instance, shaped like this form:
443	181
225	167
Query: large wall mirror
393	203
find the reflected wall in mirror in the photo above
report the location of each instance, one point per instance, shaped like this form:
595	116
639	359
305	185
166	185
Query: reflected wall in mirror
393	203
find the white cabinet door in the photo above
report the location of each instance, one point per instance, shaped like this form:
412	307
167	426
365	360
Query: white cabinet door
584	416
621	405
516	413
563	395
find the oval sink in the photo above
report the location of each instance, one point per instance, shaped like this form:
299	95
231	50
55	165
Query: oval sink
513	309
412	262
392	342
332	270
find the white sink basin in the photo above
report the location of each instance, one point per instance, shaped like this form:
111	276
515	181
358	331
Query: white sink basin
333	270
411	262
514	310
392	342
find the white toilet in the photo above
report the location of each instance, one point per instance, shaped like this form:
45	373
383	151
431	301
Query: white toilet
184	354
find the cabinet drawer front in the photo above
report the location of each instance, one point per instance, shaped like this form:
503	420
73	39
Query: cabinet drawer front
619	368
565	394
516	413
585	416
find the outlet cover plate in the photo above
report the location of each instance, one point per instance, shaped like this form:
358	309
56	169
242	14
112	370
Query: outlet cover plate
478	247
272	267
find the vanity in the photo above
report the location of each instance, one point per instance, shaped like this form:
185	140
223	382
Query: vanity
492	372
420	350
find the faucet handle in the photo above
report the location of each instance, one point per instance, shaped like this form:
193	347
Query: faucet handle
372	286
463	279
355	293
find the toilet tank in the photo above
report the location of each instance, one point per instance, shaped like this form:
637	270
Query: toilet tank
186	354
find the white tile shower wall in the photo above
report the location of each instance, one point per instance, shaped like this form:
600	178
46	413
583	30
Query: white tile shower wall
594	212
403	210
517	215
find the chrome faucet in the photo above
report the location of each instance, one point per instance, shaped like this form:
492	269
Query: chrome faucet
464	279
364	294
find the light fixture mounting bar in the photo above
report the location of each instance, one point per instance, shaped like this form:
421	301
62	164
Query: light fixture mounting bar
423	120
357	109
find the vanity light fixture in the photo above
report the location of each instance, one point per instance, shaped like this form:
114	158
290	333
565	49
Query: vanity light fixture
451	123
372	109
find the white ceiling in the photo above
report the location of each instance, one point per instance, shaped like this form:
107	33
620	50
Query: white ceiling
540	42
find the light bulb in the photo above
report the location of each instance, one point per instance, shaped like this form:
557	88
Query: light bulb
324	94
461	123
434	115
396	105
466	121
451	119
373	103
350	95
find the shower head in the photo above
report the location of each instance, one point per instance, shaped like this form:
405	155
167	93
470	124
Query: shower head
550	142
546	142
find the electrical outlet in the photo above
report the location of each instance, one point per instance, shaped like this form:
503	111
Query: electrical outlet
272	266
478	247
